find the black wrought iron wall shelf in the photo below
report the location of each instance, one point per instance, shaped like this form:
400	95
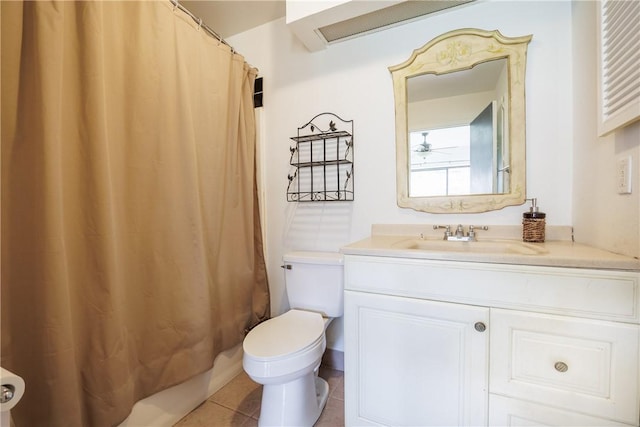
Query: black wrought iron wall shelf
322	160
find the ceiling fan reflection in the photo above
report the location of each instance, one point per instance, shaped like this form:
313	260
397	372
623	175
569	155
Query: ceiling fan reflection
425	147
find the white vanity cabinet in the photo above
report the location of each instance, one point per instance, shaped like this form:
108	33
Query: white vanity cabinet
561	345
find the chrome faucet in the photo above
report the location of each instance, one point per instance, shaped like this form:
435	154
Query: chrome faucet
459	235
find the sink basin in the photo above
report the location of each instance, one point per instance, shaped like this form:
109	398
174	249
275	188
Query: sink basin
507	247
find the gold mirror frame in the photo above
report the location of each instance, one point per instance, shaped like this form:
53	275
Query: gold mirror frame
457	51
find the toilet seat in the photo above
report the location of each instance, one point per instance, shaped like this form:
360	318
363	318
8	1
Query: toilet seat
284	335
284	345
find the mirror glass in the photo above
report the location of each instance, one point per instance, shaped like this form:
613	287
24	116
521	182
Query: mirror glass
456	140
460	123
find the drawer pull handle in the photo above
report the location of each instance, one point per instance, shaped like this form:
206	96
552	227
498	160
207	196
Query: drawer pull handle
561	367
480	327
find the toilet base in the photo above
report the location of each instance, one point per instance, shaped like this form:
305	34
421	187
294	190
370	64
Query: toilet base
296	403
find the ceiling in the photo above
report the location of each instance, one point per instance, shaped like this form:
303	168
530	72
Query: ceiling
345	20
230	17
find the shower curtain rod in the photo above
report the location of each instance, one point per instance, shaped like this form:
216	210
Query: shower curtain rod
176	4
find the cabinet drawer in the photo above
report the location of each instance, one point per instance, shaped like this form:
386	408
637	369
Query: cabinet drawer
605	295
504	411
581	365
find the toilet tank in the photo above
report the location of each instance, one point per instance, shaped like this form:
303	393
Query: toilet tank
315	281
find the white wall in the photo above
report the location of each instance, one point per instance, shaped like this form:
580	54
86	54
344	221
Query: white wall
351	79
447	112
602	217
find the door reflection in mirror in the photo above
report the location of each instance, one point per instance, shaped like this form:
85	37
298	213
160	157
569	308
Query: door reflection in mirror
483	146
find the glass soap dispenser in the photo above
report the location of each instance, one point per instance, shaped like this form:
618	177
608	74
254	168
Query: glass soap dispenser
533	223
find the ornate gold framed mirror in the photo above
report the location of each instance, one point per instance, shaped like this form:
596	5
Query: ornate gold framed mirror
460	123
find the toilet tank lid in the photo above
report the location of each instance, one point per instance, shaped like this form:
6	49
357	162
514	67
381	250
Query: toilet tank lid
309	257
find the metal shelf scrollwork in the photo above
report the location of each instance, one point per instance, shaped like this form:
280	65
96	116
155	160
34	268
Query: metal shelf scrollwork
322	161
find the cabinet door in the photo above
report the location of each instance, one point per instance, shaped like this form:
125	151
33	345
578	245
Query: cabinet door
411	362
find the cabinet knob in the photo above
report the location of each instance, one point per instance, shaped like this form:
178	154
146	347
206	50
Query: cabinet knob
561	367
480	327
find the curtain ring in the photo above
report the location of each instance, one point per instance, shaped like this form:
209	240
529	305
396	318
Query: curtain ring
199	23
175	4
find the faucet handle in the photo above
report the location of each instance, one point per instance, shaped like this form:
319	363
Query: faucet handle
447	231
472	230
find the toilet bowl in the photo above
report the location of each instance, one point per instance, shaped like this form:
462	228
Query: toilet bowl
284	353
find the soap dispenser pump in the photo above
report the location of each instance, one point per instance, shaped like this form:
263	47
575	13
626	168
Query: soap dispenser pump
533	223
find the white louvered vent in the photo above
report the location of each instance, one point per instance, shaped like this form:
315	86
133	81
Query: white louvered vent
619	76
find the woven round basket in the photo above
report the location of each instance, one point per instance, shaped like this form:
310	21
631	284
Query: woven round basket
533	229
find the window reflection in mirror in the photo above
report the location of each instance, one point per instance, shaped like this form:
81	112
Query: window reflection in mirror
457	143
440	162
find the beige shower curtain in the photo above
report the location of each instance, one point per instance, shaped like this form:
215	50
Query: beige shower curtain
131	250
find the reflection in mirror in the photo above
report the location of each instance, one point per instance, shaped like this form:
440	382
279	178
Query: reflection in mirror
440	162
460	121
457	115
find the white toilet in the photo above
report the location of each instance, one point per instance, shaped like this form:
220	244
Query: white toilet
284	353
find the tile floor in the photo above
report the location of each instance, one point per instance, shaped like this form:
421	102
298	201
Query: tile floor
238	404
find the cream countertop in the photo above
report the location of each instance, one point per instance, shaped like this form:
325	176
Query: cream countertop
557	251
